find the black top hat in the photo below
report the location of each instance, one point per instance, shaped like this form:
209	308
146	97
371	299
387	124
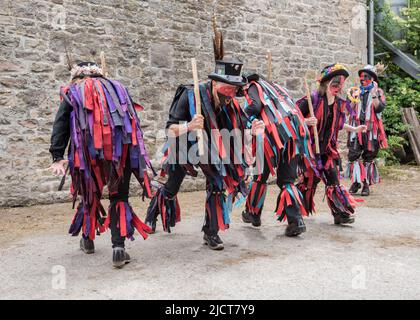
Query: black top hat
332	71
369	69
228	71
251	76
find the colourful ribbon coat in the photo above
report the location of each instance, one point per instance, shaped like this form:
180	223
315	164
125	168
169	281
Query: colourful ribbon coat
285	129
373	121
105	134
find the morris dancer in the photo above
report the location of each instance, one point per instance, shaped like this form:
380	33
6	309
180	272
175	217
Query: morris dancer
98	116
329	119
286	139
368	102
225	170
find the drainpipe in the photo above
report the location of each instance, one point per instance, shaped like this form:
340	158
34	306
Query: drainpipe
371	51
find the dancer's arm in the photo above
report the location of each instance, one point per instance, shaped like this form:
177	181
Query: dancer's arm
175	130
180	121
378	99
254	103
60	138
349	128
304	108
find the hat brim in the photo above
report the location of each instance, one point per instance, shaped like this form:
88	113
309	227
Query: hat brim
219	78
373	74
251	76
341	72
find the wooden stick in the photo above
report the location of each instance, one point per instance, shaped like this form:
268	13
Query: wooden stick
197	105
103	64
311	111
269	59
68	58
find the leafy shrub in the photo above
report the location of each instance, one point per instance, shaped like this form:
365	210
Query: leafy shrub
401	90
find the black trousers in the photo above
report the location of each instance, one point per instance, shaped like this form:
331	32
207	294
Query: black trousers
357	151
310	182
176	175
120	193
331	174
286	173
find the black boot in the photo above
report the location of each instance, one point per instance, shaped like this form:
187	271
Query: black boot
119	257
152	226
87	246
295	228
343	218
213	241
255	219
365	190
153	213
354	187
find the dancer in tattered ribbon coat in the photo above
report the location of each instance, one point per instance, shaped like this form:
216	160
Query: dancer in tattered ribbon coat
99	118
286	139
330	112
224	169
368	102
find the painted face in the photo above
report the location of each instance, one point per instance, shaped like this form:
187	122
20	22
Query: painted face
336	85
227	90
365	79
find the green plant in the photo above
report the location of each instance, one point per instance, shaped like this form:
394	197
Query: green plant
401	90
410	28
395	145
404	31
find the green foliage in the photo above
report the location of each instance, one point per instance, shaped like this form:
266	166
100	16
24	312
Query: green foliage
401	90
395	144
388	25
404	31
410	27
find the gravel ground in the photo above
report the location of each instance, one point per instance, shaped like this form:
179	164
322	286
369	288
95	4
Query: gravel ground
376	258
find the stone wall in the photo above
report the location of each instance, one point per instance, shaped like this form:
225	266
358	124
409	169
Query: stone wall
148	46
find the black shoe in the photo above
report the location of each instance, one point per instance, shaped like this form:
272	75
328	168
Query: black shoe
213	241
152	226
255	219
120	258
342	218
87	246
295	228
365	190
354	187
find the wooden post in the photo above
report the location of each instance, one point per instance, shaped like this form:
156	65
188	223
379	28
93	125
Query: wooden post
269	61
103	64
409	117
311	111
197	105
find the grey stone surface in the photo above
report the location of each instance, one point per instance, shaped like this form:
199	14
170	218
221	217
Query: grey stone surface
148	45
376	258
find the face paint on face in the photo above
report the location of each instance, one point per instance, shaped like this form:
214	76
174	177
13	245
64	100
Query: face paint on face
365	79
227	90
336	85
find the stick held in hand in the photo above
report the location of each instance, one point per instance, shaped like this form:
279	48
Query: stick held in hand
197	105
311	111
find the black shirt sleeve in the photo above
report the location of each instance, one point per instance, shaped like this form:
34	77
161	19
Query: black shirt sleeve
255	107
61	131
382	103
380	107
180	108
304	107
